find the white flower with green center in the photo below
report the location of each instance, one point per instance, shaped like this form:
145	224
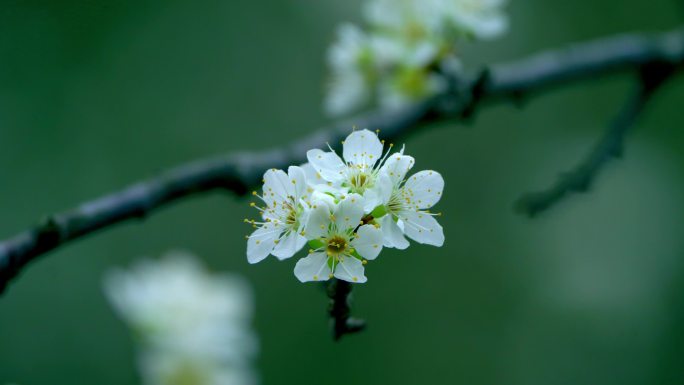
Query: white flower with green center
406	209
358	172
281	233
341	243
191	326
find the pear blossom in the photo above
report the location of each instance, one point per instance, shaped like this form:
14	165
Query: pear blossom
407	205
192	326
281	233
343	242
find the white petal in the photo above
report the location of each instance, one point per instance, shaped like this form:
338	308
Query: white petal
297	178
313	268
319	219
372	198
384	188
424	188
422	228
396	166
349	212
288	245
393	235
277	186
350	269
321	196
368	242
327	164
362	147
313	178
261	242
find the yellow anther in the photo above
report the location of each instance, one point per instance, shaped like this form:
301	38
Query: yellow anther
254	193
258	242
276	241
315	278
355	279
330	275
365	262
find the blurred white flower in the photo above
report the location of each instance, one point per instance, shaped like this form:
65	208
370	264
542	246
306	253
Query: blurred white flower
193	327
406	50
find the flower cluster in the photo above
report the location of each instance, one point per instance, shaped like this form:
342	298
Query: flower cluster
346	209
406	50
193	327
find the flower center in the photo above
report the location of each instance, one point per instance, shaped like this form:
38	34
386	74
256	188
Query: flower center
360	181
292	214
398	202
337	245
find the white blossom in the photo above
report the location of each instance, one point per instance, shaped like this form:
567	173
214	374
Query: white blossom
193	327
354	205
357	170
280	233
342	240
407	206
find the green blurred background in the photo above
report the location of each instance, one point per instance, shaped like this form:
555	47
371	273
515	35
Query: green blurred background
97	94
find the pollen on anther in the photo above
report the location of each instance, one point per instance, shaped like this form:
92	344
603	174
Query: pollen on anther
364	262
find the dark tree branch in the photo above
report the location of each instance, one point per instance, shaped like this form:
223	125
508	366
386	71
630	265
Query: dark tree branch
239	171
610	146
341	322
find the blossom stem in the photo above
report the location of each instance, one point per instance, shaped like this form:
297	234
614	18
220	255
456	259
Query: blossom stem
341	322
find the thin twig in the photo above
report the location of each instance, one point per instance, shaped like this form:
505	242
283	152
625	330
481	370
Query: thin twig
610	145
240	171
